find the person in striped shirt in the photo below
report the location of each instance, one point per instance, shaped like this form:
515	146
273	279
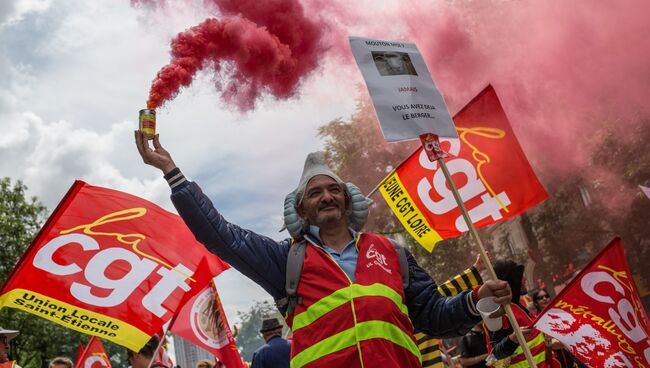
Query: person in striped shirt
429	346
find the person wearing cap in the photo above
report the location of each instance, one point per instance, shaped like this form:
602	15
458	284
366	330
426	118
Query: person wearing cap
5	337
353	309
276	351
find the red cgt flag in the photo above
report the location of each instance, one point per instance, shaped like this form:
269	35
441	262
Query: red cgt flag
94	355
195	323
599	315
109	264
493	176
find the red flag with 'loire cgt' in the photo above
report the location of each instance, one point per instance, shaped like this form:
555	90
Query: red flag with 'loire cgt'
109	264
599	316
493	176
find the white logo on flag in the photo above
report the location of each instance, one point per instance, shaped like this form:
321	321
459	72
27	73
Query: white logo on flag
211	333
91	360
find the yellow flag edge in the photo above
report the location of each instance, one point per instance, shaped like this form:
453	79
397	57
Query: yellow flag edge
76	318
402	205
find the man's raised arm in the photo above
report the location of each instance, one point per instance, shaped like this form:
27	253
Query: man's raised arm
258	257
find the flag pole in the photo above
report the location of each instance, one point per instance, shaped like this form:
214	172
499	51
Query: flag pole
155	352
153	357
486	260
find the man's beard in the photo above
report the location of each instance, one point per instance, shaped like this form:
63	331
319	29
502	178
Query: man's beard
329	217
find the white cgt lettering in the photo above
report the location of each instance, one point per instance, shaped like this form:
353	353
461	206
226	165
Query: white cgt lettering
626	320
471	189
489	206
43	258
171	279
623	316
590	280
95	273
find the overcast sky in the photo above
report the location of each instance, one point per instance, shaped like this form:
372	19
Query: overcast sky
73	75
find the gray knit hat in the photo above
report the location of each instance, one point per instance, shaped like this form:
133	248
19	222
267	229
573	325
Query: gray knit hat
315	164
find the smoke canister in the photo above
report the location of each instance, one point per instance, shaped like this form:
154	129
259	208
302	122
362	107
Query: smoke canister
148	122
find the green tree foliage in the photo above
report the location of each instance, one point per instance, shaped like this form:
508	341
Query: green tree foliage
39	339
248	333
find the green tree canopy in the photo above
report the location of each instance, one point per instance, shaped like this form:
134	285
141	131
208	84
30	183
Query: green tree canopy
248	333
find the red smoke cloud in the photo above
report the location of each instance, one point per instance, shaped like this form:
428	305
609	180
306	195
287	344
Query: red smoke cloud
562	69
261	46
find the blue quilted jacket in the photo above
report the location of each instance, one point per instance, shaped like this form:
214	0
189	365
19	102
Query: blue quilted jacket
264	261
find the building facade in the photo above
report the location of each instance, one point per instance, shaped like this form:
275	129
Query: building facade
188	354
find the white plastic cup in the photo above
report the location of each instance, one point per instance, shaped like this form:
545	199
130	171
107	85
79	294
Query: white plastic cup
487	306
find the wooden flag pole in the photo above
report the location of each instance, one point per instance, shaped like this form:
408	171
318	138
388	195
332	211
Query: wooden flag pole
153	357
486	261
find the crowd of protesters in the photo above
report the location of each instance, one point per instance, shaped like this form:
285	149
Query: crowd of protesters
476	349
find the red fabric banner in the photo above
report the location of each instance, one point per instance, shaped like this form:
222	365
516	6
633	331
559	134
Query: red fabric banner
195	324
80	351
599	315
109	264
94	355
493	176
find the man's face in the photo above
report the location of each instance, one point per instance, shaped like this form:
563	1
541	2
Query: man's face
4	348
324	202
58	365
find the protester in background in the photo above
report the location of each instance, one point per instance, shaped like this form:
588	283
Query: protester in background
541	299
5	337
276	352
142	358
324	216
504	342
205	364
60	362
473	349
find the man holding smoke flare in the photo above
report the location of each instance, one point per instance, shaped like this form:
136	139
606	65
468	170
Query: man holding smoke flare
352	307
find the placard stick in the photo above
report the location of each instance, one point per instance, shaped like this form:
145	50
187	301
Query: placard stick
486	261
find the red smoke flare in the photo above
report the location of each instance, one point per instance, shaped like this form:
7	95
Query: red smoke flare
266	46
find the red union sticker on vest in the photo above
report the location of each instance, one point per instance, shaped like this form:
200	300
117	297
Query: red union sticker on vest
407	102
111	265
